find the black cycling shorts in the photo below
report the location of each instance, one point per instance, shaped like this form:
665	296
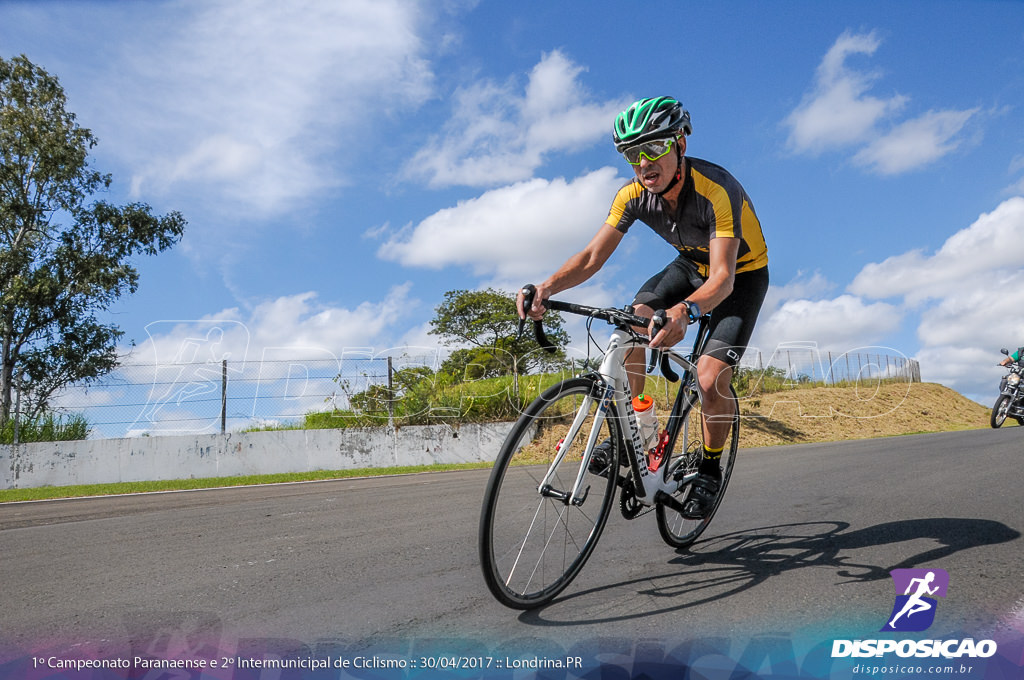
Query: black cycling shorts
732	321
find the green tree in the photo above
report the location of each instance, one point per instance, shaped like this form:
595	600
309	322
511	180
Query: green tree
64	257
487	322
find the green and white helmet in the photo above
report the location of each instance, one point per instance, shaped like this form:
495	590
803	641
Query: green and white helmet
650	118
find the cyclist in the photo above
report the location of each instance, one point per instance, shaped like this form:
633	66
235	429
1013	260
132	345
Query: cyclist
721	265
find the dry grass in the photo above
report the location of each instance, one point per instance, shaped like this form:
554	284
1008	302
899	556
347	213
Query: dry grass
818	414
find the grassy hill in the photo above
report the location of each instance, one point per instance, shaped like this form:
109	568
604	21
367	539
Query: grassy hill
774	411
817	414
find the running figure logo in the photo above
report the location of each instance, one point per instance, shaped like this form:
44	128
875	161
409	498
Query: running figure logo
914	609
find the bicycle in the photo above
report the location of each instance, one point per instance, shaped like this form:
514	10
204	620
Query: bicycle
540	522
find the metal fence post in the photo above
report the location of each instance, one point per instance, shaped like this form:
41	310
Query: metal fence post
391	393
223	396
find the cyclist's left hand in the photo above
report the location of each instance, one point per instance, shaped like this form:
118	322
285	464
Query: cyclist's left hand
674	329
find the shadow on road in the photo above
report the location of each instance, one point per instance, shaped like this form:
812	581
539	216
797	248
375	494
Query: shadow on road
725	565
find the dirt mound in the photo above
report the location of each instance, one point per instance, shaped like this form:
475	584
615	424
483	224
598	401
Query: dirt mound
816	414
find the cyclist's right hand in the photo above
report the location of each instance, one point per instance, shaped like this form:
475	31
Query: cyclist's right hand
537	309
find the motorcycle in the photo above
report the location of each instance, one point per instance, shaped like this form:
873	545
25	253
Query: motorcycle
1011	394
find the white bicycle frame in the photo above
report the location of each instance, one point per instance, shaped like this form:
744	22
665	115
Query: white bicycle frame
617	398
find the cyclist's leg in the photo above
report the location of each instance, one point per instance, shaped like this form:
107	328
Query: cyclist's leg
714	377
718	425
680	526
732	323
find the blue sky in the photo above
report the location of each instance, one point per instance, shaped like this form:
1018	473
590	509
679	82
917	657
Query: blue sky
343	164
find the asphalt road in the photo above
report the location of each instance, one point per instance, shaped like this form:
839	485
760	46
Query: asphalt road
805	540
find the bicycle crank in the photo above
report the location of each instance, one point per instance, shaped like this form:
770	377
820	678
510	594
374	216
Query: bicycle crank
629	504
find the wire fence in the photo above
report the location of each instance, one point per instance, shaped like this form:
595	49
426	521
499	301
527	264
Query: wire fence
225	396
181	398
802	363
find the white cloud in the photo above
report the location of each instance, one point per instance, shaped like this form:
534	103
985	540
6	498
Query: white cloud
804	312
839	324
915	143
299	325
839	112
497	134
972	371
1015	188
247	99
983	311
804	286
283	359
969	293
519	232
1016	165
969	255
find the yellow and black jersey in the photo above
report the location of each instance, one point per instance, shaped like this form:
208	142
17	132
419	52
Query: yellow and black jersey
712	204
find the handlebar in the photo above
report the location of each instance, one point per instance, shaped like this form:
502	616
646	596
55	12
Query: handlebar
621	318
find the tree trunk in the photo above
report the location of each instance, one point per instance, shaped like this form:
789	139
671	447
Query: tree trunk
6	374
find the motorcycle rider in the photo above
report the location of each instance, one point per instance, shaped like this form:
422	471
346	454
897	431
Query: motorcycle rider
1011	396
1016	356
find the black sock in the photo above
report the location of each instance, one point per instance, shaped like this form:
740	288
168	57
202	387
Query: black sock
710	463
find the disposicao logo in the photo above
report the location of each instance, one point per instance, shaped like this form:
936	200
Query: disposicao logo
914	609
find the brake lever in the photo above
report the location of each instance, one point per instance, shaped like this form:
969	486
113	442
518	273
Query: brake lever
666	369
529	292
658	321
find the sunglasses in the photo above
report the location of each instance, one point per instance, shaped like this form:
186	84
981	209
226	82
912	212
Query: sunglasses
652	150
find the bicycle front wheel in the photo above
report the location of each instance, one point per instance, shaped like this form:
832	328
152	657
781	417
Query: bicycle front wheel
534	540
679	531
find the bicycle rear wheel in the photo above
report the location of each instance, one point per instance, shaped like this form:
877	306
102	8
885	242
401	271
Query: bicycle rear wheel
533	543
679	531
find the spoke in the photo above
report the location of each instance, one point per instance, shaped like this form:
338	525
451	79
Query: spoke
544	550
526	538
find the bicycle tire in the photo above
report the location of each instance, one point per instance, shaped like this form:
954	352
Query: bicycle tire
532	546
677	530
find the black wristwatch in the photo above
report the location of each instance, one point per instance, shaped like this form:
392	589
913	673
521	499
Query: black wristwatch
692	311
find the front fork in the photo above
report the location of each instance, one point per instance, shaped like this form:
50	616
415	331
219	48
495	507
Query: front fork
578	494
648	487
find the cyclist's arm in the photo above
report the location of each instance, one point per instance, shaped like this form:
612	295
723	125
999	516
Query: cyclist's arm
721	276
577	268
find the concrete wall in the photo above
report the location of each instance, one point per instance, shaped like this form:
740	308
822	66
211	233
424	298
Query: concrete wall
156	458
